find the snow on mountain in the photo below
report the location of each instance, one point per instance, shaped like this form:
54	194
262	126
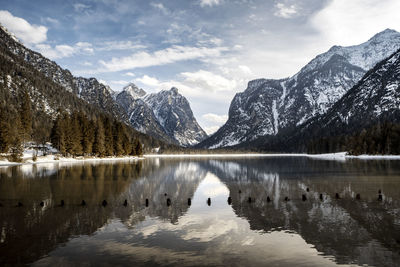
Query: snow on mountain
376	97
269	106
166	115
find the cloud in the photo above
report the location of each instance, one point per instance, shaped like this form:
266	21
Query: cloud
213	122
245	69
79	7
55	22
120	82
285	11
119	45
130	74
211	129
211	117
103	82
160	7
150	81
84	47
28	33
352	22
210	3
208	81
160	57
62	51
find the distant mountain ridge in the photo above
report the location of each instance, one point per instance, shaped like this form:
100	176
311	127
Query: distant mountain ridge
178	123
366	118
267	107
166	115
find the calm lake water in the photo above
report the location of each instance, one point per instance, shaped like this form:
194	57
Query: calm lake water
312	232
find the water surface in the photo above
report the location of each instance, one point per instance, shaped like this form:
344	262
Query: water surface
313	232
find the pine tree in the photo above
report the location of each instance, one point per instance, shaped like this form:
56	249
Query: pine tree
16	147
76	136
138	148
5	130
118	135
108	137
98	147
25	114
87	130
58	138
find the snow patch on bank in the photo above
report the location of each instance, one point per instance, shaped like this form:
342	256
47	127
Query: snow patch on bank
56	159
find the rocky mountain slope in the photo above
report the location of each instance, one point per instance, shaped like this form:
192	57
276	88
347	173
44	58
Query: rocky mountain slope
267	107
372	106
89	90
166	115
375	98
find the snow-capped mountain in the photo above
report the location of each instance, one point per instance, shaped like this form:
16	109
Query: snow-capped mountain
166	115
269	106
376	97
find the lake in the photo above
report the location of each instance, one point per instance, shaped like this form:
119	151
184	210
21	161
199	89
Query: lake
256	226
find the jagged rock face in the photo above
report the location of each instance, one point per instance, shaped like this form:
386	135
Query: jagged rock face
166	115
252	113
269	106
376	97
89	90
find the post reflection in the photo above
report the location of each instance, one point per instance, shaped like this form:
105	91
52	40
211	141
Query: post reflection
202	212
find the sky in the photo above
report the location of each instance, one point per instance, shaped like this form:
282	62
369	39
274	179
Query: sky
208	49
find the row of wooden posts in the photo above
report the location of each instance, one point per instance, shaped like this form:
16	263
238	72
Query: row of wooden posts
104	203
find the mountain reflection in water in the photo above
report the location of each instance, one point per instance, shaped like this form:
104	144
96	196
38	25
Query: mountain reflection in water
256	232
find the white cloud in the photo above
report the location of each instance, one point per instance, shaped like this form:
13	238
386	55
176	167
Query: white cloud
285	11
159	6
149	81
79	7
160	57
51	20
26	32
119	45
213	122
245	69
59	51
209	81
352	22
211	129
87	63
120	82
204	3
130	74
103	82
215	118
62	51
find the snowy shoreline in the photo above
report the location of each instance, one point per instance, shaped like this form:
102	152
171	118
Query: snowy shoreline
51	159
341	156
328	156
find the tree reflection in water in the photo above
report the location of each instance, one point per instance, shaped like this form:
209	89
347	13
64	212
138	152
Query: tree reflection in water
329	231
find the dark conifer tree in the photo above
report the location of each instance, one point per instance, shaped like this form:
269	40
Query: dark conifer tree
58	138
25	114
99	143
108	137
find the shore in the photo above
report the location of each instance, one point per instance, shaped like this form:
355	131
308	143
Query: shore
57	159
341	156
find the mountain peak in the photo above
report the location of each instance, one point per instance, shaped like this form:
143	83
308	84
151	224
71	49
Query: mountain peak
174	90
134	91
384	34
9	33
